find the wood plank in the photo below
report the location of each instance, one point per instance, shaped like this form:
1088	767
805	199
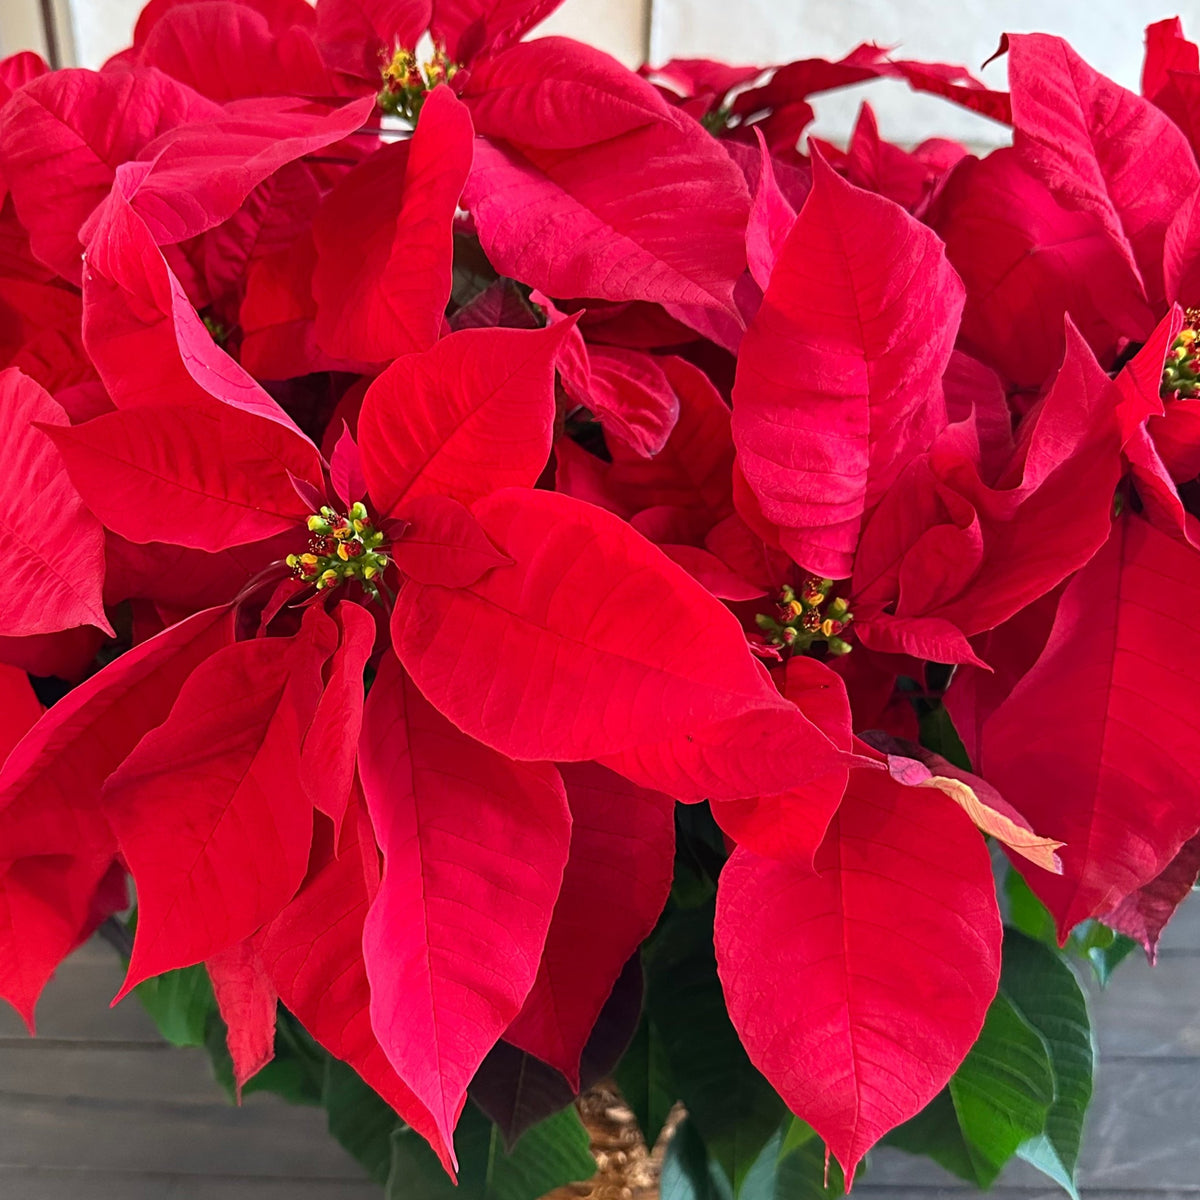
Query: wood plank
22	1183
75	1004
127	1074
100	1094
1142	1134
1183	932
1005	1193
1150	1012
264	1138
142	1108
1142	1131
891	1169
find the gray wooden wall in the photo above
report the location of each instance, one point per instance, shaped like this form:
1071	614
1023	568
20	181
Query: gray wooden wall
99	1108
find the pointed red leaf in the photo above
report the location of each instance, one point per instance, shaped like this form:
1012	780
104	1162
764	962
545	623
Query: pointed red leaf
790	822
208	478
583	627
145	338
1152	429
707	569
55	561
444	544
590	184
19	708
278	314
1101	149
273	216
210	811
795	81
384	244
345	469
18	69
975	398
878	166
330	749
771	219
1144	914
50	816
192	179
978	553
182	579
247	1000
470	27
764	752
955	84
65	134
354	33
930	638
473	414
229	50
839	378
50	783
1097	744
474	847
313	952
613	891
1049	510
692	470
1167	50
896	935
914	766
629	393
45	905
1010	237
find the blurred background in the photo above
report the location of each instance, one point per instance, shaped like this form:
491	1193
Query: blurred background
1108	33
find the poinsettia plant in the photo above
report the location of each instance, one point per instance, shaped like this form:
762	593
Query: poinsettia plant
525	575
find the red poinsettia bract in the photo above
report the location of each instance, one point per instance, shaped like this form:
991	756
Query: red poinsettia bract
423	476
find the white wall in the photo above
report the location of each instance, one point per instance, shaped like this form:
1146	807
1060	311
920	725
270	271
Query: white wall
20	27
1106	32
101	27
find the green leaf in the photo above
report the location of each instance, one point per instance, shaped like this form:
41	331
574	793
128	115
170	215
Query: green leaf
1026	912
802	1173
935	1133
1044	990
1102	948
1003	1090
760	1180
358	1118
699	855
792	1167
644	1077
1039	1152
549	1155
688	1173
296	1073
796	1133
937	733
998	1099
735	1110
180	1003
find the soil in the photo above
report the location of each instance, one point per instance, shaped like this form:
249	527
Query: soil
626	1168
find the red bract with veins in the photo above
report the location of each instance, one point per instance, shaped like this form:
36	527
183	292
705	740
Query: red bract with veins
469	518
